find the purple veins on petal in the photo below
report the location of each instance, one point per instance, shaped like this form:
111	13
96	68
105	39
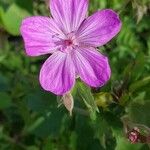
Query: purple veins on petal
71	38
38	34
99	28
58	73
69	14
92	67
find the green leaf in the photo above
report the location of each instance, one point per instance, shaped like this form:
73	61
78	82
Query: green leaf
5	100
148	44
32	148
139	113
25	4
50	124
86	95
123	144
12	18
1	11
101	129
132	70
138	84
85	136
40	101
4	84
48	145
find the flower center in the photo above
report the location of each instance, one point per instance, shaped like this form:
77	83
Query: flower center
68	42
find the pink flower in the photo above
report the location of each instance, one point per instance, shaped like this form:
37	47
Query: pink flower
71	38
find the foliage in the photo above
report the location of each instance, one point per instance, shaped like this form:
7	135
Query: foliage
102	118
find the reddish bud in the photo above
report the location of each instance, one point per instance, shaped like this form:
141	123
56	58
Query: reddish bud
134	135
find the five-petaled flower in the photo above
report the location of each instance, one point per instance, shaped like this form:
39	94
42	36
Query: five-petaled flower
71	37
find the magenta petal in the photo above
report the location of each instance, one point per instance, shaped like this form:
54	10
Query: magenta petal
92	67
57	74
69	13
38	34
99	28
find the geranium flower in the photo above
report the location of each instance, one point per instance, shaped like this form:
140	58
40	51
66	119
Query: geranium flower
71	37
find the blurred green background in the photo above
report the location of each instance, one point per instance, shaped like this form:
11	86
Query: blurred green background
102	118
